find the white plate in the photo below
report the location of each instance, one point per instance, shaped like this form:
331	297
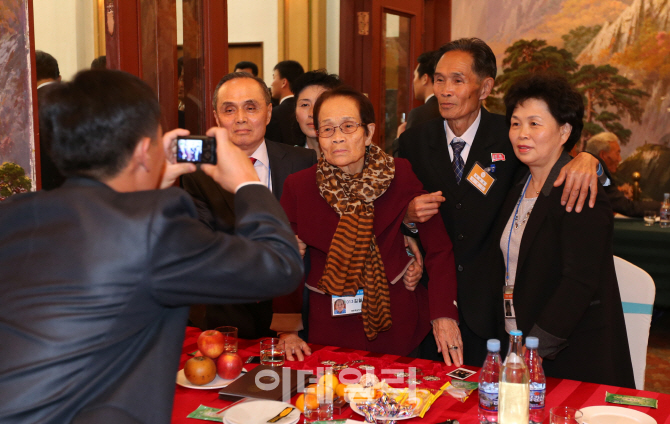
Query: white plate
217	383
615	415
259	412
354	408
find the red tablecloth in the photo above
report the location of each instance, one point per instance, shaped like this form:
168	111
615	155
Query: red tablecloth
559	392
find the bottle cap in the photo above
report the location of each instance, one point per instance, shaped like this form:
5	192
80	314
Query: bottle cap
516	333
532	342
493	345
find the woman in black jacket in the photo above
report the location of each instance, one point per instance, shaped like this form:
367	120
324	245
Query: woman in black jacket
559	284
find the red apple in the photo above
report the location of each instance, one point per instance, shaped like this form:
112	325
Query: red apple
200	370
229	365
211	343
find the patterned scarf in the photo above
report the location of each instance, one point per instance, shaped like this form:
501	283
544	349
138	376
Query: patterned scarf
354	261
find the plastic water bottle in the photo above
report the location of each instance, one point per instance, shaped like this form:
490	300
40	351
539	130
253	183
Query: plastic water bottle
665	211
489	379
514	400
537	380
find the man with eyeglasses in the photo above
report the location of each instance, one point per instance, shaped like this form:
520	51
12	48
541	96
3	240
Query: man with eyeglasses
242	105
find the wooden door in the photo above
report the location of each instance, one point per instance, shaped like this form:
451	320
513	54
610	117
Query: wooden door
252	52
141	38
380	41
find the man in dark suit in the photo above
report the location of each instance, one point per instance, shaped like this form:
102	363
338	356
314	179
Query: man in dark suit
423	91
605	146
283	128
242	107
443	153
46	68
98	275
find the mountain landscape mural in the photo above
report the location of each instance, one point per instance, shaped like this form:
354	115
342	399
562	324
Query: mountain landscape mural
615	52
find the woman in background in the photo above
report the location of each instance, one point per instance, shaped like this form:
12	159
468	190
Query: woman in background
307	88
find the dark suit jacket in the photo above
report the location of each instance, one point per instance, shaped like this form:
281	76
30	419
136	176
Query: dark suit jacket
468	215
96	289
283	128
216	204
424	113
566	290
623	205
315	222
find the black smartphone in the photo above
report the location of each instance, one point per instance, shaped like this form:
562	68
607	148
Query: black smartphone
253	360
196	149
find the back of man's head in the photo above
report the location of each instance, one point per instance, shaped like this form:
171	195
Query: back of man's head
427	61
289	69
601	142
46	66
99	63
241	66
483	59
95	122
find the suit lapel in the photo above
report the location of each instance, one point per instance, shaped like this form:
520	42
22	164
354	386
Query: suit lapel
537	217
479	151
440	160
508	208
540	210
278	169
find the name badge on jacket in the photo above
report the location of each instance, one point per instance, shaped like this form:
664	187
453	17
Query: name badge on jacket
480	178
347	305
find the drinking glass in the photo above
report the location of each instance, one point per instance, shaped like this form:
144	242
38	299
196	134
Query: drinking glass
272	352
649	218
318	403
229	338
565	415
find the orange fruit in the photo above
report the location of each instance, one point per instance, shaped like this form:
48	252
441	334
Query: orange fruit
329	380
300	403
311	400
339	390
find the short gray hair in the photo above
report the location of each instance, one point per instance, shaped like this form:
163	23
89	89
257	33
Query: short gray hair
236	75
601	142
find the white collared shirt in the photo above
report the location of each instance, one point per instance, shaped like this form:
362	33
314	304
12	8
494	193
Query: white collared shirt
428	98
262	165
468	136
284	98
45	83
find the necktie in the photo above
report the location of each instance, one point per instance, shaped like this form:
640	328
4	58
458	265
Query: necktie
253	160
458	144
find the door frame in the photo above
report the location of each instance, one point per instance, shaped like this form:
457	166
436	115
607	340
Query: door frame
360	52
141	38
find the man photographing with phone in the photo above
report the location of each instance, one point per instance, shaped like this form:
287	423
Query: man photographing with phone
98	275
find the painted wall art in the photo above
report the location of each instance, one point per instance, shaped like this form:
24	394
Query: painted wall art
17	142
615	52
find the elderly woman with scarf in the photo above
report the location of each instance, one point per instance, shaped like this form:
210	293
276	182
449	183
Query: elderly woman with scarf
348	210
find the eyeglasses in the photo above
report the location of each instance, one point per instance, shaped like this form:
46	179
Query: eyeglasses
348	127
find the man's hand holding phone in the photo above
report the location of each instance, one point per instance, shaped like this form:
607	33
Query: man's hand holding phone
233	165
173	169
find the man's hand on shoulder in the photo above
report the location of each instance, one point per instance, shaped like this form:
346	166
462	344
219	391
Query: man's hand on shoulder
173	169
580	176
233	166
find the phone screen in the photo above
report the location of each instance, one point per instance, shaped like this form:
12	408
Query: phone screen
189	150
